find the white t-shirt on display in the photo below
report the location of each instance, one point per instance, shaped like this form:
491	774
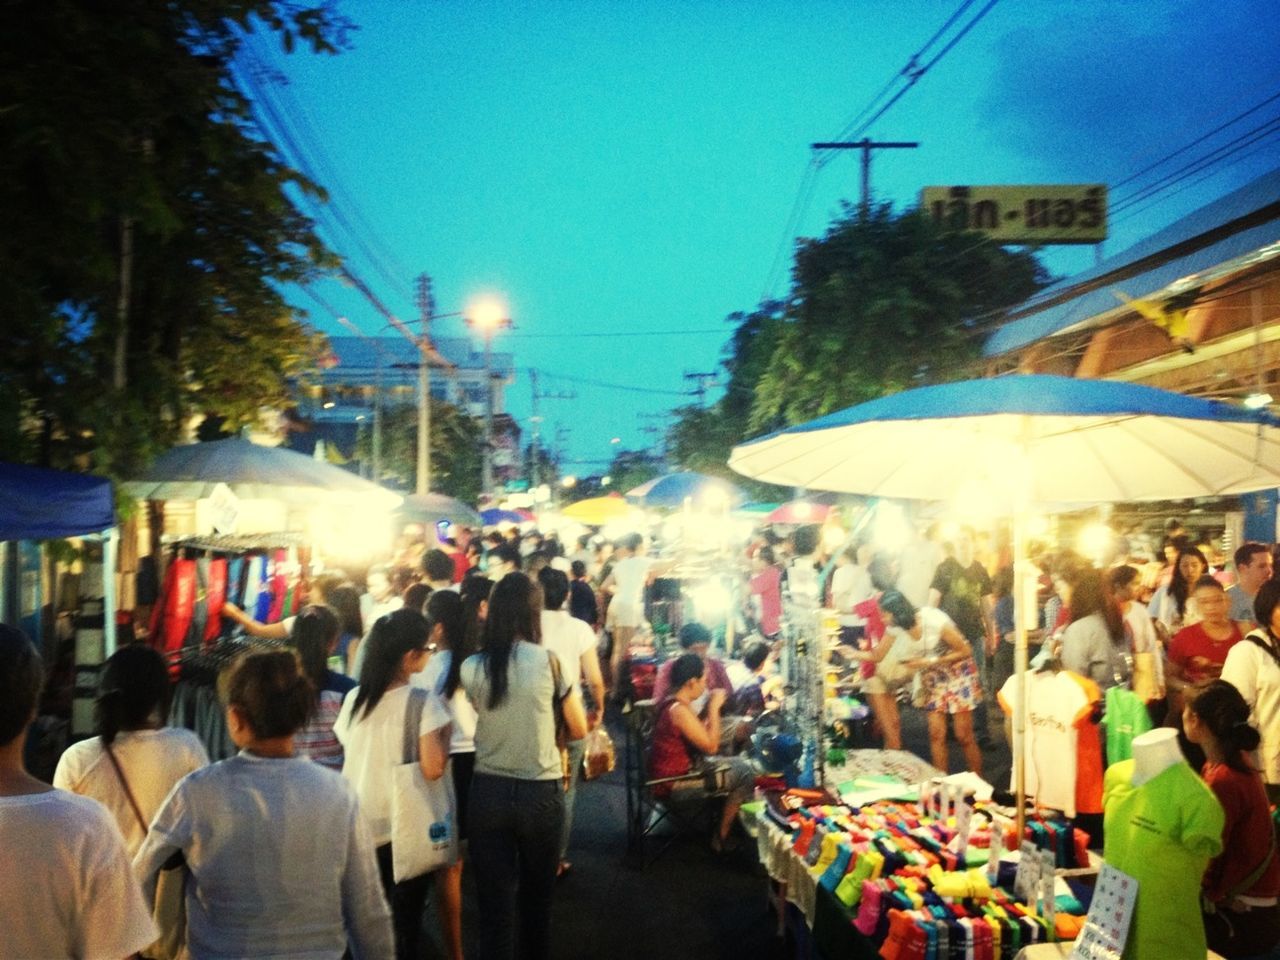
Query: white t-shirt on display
152	760
66	887
629	577
373	744
462	738
1056	703
569	638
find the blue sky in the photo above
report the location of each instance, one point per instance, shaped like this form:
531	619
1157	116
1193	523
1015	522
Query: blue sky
618	167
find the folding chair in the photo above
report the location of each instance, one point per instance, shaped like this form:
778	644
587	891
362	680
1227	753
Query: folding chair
651	813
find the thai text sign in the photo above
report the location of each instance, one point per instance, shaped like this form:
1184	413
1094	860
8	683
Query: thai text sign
1057	213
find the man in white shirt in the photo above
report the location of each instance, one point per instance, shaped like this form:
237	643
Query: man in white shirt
67	888
626	581
1254	567
574	643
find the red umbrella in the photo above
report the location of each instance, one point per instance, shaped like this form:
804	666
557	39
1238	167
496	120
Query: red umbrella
800	511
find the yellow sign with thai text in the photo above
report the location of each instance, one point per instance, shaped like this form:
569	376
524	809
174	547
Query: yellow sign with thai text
1057	213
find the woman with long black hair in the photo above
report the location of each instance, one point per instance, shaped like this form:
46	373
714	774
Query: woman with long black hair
1172	607
447	617
315	636
371	728
517	795
134	761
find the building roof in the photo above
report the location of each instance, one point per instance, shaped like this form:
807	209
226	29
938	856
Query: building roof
1232	233
368	353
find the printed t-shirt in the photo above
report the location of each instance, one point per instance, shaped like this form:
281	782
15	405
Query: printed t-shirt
517	738
462	735
1162	833
66	888
1199	655
1244	837
152	760
1059	706
317	741
1254	672
373	744
767	585
962	590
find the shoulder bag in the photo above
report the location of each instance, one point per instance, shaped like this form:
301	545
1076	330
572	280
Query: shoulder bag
562	726
170	908
424	829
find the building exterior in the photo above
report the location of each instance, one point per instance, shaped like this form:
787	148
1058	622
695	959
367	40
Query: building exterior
1195	308
340	399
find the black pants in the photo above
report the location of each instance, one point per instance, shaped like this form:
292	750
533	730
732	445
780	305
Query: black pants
1240	935
514	849
408	900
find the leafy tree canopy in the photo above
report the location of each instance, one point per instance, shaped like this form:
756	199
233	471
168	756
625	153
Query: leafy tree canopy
148	227
457	442
879	304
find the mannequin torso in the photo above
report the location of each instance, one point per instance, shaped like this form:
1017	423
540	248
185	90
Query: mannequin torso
1153	753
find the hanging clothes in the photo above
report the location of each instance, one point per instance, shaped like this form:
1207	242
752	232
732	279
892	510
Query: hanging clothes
171	617
215	597
1126	716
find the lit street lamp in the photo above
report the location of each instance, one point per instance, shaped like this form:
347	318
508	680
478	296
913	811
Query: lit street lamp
488	316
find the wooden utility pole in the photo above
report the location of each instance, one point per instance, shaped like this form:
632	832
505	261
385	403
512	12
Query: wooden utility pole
866	146
426	307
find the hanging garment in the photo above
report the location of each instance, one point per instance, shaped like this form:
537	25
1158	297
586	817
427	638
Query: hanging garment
235	580
262	606
1126	717
1162	833
171	618
200	609
216	595
279	587
1059	707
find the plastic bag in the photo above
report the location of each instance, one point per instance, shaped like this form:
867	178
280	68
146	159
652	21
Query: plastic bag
599	757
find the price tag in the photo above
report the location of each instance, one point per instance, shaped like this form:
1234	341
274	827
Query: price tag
964	817
993	852
1048	906
1026	881
1106	928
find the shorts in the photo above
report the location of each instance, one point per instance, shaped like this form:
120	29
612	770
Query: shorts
732	775
954	688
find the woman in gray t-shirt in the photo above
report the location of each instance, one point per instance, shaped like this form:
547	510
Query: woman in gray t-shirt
517	797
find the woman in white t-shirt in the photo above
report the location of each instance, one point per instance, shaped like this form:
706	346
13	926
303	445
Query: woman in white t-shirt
371	729
135	760
926	642
452	624
517	797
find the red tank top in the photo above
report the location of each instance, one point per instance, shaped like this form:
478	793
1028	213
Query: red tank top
669	751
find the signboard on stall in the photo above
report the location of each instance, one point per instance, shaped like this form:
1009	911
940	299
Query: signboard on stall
1043	214
225	508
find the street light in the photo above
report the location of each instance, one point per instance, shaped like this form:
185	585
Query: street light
488	316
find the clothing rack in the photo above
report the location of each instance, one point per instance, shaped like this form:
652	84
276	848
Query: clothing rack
236	542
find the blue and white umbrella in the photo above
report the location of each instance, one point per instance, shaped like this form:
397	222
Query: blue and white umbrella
673	489
1029	439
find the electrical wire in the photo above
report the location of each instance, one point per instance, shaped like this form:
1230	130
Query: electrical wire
551	375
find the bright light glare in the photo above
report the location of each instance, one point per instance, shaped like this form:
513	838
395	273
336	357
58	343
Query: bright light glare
606	480
1094	540
488	313
715	498
833	537
710	600
569	482
890	529
975	503
1256	401
1038	526
803	511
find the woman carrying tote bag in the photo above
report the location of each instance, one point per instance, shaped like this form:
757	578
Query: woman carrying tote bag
372	729
517	796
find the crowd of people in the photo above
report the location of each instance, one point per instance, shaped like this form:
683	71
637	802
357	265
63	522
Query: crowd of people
478	663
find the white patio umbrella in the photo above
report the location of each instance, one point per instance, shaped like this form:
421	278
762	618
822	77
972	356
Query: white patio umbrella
1028	439
253	472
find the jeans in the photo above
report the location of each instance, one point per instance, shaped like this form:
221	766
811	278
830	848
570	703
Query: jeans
577	750
514	851
408	899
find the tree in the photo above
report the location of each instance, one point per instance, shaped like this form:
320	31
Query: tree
882	303
149	229
630	468
456	443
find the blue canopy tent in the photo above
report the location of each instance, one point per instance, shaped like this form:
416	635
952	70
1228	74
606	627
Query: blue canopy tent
673	489
39	504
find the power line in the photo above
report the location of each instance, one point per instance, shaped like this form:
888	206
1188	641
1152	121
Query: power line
618	333
551	375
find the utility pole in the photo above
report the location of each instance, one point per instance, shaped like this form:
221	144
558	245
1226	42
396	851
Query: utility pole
426	307
703	380
866	146
535	466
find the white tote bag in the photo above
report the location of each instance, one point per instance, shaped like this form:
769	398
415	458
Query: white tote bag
424	825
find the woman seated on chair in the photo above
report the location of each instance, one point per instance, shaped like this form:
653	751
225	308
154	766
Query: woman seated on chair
683	744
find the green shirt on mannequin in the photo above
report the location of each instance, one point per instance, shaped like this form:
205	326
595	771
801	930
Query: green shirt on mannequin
1163	834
